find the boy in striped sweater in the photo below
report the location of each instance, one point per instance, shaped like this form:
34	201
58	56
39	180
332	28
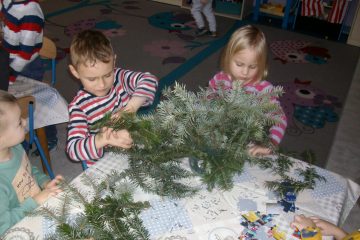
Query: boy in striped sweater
106	89
23	23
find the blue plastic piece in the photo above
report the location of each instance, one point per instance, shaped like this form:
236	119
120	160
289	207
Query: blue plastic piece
84	165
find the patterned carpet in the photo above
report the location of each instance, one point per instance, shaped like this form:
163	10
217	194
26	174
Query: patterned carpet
159	38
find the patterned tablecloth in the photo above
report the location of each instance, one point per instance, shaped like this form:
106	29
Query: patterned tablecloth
50	106
217	214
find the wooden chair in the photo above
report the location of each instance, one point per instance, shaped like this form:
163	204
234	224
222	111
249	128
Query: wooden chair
48	51
36	135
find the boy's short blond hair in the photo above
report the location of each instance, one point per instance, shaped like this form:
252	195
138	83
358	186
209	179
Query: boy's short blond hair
6	99
90	46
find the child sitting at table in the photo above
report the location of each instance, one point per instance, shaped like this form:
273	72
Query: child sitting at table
312	228
244	65
105	89
22	186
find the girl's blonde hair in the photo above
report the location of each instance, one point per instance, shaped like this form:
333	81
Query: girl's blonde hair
90	46
247	37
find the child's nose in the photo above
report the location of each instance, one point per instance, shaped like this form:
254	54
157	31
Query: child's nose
101	83
245	71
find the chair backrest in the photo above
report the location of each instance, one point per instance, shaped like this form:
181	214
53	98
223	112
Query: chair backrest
48	50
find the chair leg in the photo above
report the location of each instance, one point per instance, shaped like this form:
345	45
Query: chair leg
43	159
84	165
42	141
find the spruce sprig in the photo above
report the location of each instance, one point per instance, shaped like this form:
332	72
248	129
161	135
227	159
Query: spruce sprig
110	213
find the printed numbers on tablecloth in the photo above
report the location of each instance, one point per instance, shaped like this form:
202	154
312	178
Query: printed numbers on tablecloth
208	207
165	216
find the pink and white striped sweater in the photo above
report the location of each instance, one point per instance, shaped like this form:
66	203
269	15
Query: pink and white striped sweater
223	81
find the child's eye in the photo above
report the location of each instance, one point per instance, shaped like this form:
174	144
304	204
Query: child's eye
253	67
239	64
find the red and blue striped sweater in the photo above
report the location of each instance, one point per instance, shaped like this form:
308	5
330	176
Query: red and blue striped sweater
23	32
86	109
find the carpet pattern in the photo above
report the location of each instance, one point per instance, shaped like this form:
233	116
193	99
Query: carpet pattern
159	38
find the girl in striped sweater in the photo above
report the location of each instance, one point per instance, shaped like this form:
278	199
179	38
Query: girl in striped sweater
244	65
106	89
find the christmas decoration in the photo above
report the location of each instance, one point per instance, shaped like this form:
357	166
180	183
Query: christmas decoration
213	132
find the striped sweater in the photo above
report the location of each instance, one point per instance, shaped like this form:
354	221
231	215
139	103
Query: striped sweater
86	109
23	32
223	81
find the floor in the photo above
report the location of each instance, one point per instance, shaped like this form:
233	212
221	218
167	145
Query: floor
345	153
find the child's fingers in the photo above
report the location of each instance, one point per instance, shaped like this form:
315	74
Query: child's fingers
258	151
106	132
315	219
58	179
116	115
55	190
293	225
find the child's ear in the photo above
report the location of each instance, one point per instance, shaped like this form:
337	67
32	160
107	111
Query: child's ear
73	71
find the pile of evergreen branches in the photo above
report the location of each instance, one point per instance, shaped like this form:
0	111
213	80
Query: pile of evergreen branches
217	130
110	213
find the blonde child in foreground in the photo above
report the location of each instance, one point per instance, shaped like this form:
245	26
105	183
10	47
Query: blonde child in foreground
106	89
22	186
244	65
313	228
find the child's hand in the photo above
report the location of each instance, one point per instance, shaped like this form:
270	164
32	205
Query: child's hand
121	139
258	151
329	229
134	104
54	182
300	222
45	194
108	136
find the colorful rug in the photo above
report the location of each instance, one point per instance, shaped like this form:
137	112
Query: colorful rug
147	36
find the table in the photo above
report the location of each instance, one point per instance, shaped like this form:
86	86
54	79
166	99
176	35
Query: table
50	106
214	215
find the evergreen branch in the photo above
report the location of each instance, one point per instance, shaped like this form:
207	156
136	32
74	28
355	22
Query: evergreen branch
217	131
308	156
111	214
